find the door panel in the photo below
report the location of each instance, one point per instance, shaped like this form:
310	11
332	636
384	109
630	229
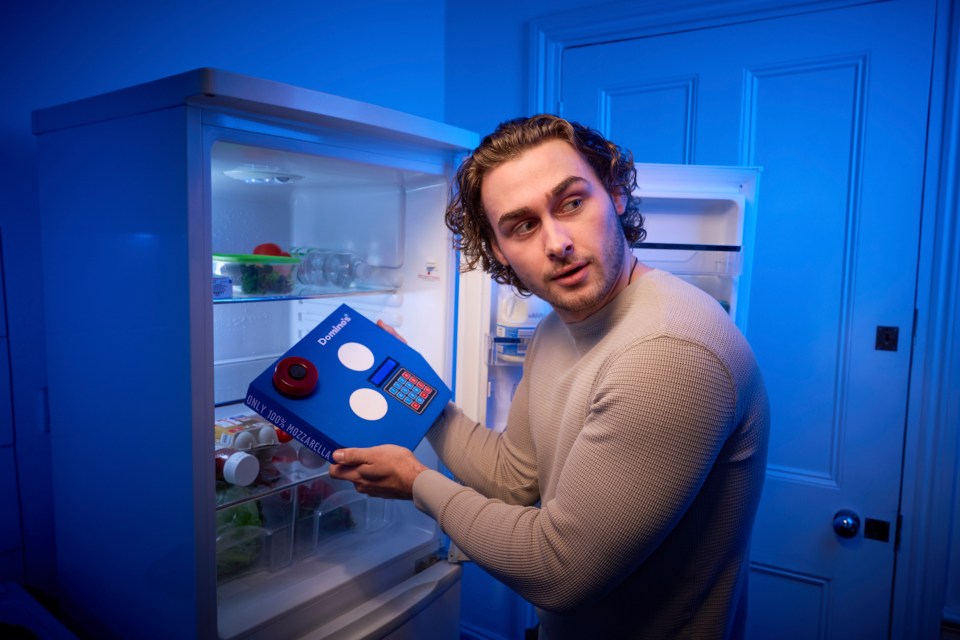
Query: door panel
666	110
832	105
812	320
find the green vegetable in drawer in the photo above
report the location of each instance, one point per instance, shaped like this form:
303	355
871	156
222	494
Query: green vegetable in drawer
237	548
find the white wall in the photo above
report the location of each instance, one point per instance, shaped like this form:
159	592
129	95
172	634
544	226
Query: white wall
52	51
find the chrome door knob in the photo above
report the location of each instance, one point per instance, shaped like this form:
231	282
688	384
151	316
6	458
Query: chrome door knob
846	523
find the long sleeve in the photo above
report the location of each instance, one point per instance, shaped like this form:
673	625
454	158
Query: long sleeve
642	431
498	465
624	486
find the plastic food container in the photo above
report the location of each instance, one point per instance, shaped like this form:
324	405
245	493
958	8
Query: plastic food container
253	536
250	434
257	275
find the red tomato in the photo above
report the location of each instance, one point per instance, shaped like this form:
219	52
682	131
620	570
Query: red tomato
282	435
268	249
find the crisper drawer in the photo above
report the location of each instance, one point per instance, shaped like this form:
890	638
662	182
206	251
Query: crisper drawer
298	548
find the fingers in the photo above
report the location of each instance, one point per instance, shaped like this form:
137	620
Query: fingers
351	457
383	325
371	463
359	465
387	471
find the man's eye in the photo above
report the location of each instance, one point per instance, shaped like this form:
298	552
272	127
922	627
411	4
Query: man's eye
524	227
572	204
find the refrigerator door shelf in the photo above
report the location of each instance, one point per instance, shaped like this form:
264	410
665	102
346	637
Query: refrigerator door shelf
693	218
689	259
509	351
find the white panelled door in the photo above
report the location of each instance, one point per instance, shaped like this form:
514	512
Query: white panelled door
833	106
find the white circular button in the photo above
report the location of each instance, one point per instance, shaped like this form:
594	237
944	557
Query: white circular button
356	356
369	404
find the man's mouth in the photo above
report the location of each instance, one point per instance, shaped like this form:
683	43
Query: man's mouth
569	274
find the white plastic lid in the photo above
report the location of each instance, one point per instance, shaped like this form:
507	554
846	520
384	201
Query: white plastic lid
241	469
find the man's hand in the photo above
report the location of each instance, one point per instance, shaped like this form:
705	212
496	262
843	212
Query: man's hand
387	471
386	327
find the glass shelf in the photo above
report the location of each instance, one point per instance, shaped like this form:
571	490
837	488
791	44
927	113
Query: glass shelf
284	481
309	293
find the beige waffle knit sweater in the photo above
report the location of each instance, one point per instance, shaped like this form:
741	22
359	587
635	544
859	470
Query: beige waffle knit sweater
620	497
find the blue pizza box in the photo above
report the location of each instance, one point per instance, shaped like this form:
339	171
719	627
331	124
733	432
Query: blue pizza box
349	383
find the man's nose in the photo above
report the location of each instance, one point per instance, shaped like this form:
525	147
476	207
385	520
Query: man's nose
558	242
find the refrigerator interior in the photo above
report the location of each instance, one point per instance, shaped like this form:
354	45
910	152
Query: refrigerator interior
302	545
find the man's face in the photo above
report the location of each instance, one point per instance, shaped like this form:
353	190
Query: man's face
555	224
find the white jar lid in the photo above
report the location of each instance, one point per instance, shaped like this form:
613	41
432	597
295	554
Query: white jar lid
241	469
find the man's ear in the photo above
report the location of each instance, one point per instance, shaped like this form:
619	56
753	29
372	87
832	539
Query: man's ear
497	253
620	202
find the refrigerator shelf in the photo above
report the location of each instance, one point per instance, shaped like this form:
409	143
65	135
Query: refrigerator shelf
286	482
309	293
508	351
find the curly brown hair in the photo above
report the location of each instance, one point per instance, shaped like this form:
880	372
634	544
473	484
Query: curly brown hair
465	216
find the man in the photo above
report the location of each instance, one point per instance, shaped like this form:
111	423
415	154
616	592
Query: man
619	498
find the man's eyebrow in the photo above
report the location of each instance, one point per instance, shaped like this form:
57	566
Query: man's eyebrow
566	184
556	192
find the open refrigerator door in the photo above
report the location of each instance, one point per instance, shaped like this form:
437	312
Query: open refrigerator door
700	223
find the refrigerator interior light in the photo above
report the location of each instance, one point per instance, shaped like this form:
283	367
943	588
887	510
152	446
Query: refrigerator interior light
253	174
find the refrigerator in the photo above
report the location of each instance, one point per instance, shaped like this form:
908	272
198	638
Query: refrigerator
149	350
164	207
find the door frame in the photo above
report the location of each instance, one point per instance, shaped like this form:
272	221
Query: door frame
930	444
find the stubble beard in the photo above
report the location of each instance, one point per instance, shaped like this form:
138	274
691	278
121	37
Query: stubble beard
591	295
